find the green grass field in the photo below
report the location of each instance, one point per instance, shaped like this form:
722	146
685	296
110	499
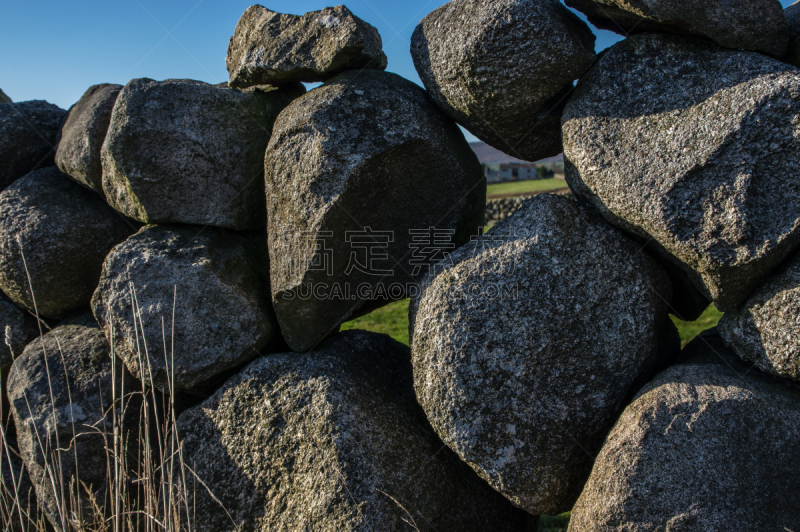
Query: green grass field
525	187
558	523
393	320
689	330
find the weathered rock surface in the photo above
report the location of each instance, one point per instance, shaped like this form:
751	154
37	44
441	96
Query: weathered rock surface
60	391
274	48
792	55
28	137
696	147
17	329
21	513
527	341
332	441
766	329
688	302
504	69
368	183
64	232
705	446
757	25
219	284
4	97
188	152
83	134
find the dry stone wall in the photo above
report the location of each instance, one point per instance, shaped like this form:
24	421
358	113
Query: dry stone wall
204	244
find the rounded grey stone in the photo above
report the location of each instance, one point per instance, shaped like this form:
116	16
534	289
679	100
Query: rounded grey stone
331	441
696	147
28	137
757	25
273	48
202	292
365	160
83	134
706	446
58	234
61	397
503	69
766	328
526	342
188	152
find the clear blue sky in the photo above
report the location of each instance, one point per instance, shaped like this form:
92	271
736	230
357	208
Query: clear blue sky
54	50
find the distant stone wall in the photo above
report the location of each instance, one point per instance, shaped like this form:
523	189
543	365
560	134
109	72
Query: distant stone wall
499	209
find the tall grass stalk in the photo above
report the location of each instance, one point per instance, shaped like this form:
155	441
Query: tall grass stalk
144	457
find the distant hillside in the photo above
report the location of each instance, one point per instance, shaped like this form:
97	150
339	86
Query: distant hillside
488	155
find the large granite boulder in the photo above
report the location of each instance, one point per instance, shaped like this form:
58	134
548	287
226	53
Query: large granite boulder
269	48
54	236
206	289
706	446
28	137
332	441
61	394
4	97
83	134
503	69
757	25
696	147
368	184
766	329
792	55
188	152
526	341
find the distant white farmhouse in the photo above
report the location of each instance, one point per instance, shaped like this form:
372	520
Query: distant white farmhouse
518	171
